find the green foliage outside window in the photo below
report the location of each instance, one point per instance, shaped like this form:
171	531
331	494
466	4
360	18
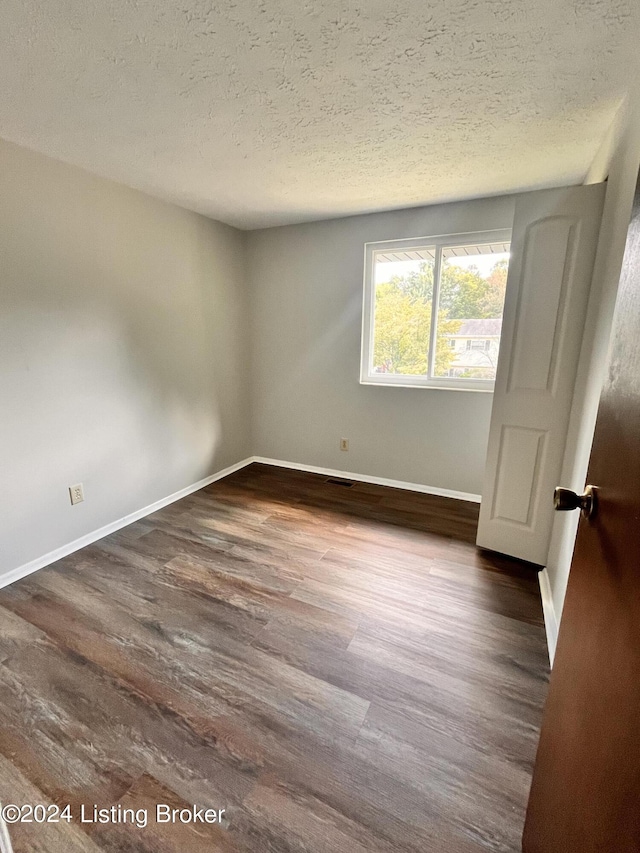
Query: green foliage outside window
403	314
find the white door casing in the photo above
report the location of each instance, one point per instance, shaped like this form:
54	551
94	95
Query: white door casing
553	246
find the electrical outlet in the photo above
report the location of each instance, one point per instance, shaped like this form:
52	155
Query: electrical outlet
344	444
76	493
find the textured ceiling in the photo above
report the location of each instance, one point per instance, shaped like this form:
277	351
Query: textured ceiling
261	112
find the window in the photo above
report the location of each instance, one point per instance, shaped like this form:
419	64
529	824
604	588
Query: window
477	344
433	310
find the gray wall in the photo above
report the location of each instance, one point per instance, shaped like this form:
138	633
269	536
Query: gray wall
306	295
122	352
623	161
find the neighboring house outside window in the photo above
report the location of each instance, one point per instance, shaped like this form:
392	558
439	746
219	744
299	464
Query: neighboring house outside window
476	345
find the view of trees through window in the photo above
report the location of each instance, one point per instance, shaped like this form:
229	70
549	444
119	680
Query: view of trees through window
469	315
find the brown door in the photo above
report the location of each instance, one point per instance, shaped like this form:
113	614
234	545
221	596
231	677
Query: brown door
585	795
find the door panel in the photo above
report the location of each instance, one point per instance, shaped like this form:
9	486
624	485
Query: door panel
553	245
585	795
521	449
543	291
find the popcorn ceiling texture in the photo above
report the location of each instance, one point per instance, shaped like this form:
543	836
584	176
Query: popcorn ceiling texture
265	112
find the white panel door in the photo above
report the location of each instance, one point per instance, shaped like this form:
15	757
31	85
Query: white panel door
553	245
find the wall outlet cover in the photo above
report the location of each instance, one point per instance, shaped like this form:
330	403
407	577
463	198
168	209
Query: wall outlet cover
76	493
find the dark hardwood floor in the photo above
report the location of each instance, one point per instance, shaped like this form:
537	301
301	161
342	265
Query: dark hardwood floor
338	668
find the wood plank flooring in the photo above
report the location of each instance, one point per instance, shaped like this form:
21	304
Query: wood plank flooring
338	668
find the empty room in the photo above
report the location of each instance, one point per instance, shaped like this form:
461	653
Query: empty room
319	447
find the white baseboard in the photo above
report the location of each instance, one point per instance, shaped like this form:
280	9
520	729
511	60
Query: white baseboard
365	478
39	563
550	618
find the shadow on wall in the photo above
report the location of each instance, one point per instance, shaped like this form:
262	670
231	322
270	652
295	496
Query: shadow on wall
116	358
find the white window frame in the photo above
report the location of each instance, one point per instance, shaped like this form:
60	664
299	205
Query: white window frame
447	383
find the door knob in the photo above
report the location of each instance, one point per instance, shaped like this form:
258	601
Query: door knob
587	502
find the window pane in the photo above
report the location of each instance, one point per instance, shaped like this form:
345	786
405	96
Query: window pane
403	282
472	287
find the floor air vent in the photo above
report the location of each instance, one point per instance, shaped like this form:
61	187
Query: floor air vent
336	481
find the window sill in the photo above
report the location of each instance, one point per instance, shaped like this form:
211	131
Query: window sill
424	387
